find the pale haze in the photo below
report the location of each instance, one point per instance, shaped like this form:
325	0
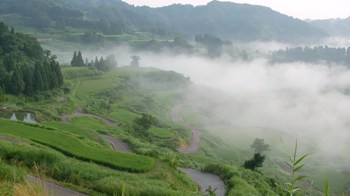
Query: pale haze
309	9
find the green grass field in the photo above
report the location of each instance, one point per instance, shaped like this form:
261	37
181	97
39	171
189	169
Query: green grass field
123	116
75	147
90	86
161	133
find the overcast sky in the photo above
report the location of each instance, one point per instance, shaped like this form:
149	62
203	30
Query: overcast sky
303	9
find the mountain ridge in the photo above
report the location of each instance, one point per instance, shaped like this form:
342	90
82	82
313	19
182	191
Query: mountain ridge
224	19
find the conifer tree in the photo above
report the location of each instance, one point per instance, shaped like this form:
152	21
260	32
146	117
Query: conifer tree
80	61
17	84
74	60
28	80
38	80
58	74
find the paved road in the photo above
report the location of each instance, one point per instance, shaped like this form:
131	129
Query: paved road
193	146
204	180
52	188
117	143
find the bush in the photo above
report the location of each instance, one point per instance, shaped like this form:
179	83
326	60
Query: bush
11	174
255	162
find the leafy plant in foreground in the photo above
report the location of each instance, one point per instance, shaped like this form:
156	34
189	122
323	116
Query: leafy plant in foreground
295	165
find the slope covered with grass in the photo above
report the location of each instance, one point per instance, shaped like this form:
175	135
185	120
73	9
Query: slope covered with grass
75	147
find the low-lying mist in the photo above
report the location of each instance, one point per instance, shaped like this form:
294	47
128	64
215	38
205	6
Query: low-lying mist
310	102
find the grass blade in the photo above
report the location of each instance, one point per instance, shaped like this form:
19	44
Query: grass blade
299	178
326	188
298	168
300	159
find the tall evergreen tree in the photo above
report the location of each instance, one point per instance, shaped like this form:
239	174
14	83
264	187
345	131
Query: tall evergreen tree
28	80
38	80
17	84
74	60
59	74
80	60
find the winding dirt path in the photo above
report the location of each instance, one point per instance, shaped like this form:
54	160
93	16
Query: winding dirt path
193	146
80	113
117	143
204	180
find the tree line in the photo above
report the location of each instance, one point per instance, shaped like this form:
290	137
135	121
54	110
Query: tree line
25	68
313	54
100	64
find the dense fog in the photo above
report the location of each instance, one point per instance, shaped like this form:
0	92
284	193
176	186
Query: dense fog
309	102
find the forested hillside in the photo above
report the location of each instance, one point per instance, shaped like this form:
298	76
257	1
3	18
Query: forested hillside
224	19
313	55
334	27
24	66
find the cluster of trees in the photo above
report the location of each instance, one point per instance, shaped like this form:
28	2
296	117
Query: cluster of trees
258	159
313	54
212	43
100	64
24	66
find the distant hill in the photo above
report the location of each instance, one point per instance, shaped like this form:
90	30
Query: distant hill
224	19
334	27
238	21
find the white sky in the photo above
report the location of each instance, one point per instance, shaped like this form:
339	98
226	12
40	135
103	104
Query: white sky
303	9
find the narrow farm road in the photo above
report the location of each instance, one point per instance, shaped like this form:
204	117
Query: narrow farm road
204	180
117	143
80	113
193	146
52	188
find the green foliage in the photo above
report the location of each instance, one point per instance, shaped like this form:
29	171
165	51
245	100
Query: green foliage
242	181
11	174
102	180
255	162
210	191
161	133
295	164
312	55
259	146
326	188
213	44
75	147
77	60
24	66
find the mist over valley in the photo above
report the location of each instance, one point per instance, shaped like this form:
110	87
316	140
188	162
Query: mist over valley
223	98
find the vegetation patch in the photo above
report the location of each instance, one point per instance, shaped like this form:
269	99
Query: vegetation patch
161	133
90	86
74	147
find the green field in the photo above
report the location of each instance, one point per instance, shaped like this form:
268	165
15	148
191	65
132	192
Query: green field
123	116
161	133
90	86
75	147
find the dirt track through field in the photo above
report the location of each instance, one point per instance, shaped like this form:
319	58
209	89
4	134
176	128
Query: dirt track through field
117	143
52	188
204	180
193	146
80	113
